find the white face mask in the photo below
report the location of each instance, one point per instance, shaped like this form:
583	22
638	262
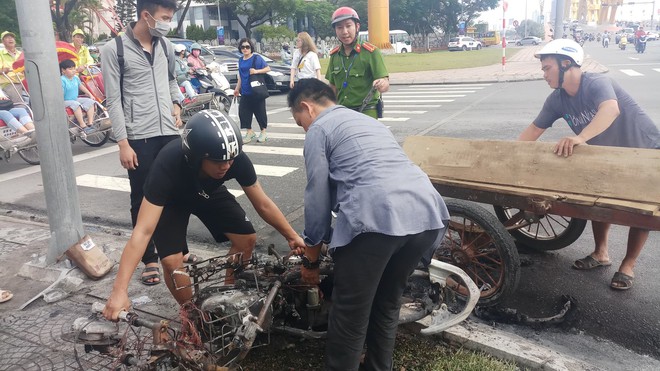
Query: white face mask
161	29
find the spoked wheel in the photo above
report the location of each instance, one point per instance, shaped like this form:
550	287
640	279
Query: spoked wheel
541	232
30	154
221	103
478	243
99	136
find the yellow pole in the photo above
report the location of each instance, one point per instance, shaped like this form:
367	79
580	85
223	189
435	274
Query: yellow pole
379	23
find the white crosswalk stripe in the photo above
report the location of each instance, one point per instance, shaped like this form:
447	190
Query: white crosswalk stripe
656	69
122	184
632	73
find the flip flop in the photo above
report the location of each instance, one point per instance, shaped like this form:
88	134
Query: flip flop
622	281
146	279
192	258
5	295
589	262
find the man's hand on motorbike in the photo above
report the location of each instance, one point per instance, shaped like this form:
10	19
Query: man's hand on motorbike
565	146
127	156
115	304
297	244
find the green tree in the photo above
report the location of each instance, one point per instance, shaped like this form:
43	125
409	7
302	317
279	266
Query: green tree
271	32
533	28
194	32
125	10
8	17
318	14
69	14
252	13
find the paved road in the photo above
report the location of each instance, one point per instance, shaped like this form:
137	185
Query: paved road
492	111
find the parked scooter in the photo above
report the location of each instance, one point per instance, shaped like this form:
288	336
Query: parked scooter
213	81
641	44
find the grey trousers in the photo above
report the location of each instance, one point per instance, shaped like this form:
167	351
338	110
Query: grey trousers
370	275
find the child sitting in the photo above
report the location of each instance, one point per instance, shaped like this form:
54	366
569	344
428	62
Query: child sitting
72	86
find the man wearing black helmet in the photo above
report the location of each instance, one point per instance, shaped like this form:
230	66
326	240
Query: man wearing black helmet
601	113
355	67
187	178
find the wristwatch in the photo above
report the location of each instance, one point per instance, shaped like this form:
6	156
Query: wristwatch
308	264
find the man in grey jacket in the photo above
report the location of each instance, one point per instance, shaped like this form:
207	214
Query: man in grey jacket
141	91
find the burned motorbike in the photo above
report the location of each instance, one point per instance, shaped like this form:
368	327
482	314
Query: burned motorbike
224	322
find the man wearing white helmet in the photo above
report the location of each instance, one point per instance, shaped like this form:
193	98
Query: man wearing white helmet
601	113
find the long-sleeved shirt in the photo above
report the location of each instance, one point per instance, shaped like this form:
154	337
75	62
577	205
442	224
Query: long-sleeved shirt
356	168
149	88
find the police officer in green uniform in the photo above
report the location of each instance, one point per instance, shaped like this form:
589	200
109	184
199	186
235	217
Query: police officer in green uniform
355	66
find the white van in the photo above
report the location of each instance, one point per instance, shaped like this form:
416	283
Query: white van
399	39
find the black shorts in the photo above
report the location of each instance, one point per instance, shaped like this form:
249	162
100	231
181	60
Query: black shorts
221	214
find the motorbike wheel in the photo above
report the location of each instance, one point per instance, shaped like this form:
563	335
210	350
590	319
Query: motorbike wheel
551	232
477	242
221	102
30	155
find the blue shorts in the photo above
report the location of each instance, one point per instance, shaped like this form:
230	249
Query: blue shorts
85	103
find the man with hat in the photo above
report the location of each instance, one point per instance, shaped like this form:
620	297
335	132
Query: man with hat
355	67
10	81
84	58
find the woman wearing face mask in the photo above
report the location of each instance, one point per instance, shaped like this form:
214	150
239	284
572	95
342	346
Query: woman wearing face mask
195	62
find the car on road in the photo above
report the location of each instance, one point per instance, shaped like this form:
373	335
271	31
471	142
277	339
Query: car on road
463	43
512	41
529	40
276	79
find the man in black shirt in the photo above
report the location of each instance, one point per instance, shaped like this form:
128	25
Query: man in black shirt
187	178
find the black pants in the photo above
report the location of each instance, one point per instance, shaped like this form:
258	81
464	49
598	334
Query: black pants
248	107
370	275
146	151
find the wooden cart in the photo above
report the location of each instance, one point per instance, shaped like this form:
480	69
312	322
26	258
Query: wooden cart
540	199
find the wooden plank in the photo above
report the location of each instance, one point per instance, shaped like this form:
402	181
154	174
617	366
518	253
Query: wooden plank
594	171
571	198
645	209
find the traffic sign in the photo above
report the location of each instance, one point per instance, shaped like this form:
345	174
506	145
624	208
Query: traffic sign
515	23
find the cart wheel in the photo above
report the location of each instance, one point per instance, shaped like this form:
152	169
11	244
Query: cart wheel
478	243
30	155
551	232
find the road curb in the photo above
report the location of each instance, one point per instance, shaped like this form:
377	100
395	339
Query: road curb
511	347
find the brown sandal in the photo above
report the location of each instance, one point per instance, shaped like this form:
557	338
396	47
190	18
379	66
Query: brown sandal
148	279
622	281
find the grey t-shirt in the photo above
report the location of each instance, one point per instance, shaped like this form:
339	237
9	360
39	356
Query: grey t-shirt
633	128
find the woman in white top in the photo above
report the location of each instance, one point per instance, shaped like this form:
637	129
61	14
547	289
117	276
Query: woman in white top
305	61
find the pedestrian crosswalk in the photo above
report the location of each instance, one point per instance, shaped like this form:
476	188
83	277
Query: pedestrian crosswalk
285	138
121	184
639	71
402	102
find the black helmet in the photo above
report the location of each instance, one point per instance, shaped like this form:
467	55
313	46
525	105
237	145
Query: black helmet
210	134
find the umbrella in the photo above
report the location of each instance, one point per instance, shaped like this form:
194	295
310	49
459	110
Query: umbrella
64	51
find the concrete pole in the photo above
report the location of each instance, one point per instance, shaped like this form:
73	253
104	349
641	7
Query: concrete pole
379	23
559	19
47	101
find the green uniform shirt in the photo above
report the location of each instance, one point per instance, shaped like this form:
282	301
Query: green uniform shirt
358	71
